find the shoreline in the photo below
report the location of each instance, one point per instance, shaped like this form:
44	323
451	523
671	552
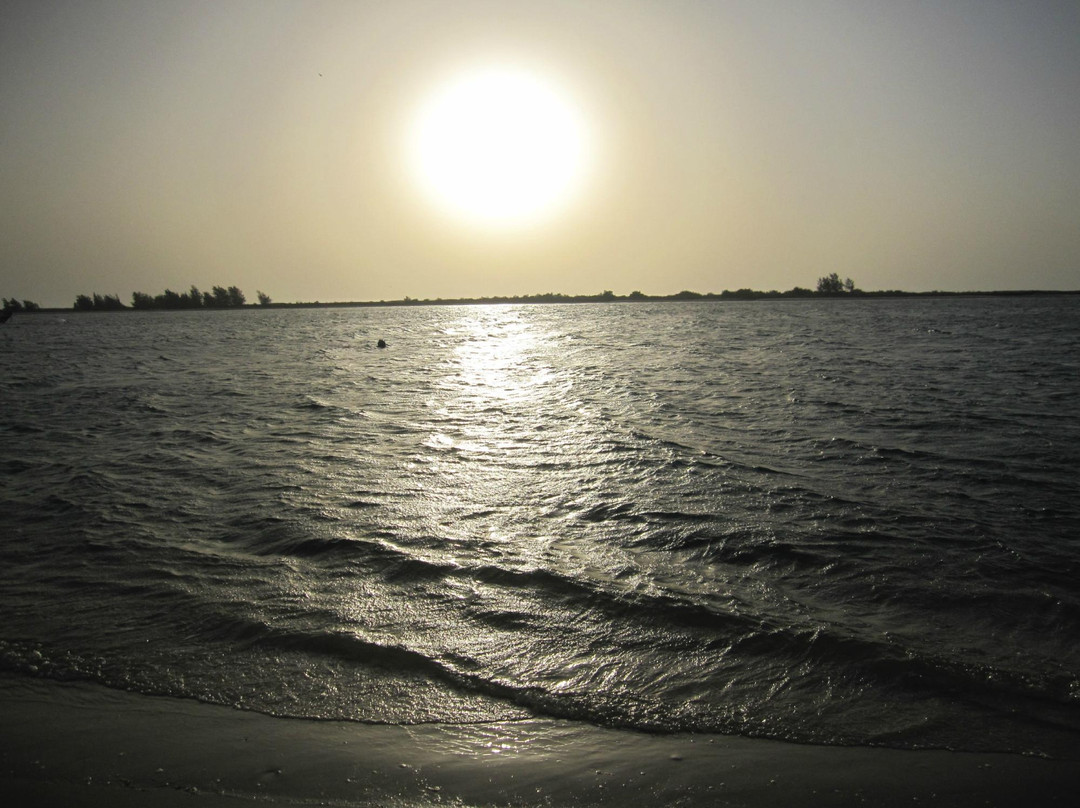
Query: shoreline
727	296
84	745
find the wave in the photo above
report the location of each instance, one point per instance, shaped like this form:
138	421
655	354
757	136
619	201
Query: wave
780	520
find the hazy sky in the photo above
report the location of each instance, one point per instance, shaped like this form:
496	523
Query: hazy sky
908	144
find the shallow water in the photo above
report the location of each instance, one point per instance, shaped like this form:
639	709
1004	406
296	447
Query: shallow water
846	522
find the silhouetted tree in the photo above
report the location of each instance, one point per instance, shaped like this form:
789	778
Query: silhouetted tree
107	302
98	303
220	297
264	299
168	300
12	305
830	285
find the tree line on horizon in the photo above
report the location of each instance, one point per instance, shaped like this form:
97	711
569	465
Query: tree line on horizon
232	297
14	305
219	297
827	286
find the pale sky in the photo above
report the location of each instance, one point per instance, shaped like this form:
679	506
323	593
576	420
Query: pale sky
761	143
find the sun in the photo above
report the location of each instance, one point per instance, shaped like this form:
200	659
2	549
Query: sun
498	147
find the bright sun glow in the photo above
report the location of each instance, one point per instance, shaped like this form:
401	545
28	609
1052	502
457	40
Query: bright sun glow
498	147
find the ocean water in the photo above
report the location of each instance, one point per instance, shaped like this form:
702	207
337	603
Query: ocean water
830	522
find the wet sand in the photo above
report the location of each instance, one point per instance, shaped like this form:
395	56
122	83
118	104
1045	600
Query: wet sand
81	745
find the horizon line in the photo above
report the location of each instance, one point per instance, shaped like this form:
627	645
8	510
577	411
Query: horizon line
547	298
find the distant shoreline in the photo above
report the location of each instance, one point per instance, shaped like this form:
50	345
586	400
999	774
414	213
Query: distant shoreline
606	297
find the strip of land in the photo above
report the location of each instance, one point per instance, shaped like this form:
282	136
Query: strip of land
172	301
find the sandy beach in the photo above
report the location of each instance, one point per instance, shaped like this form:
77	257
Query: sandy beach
81	745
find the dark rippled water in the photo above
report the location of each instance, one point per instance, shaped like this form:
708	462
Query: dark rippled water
848	522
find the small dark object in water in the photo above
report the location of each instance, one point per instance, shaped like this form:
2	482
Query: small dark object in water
381	343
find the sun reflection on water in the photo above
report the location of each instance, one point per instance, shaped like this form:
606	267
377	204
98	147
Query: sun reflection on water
508	451
494	385
494	356
489	397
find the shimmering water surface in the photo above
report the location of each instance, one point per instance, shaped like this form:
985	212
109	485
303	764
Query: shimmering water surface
849	522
